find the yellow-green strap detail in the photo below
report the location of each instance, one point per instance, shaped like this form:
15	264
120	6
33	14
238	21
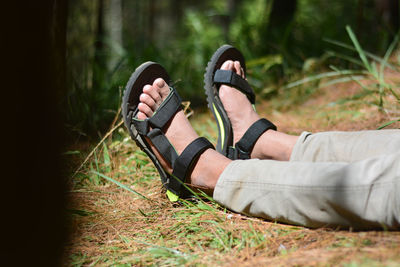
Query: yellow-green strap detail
220	123
172	197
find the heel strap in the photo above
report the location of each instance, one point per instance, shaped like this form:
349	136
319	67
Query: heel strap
185	162
244	146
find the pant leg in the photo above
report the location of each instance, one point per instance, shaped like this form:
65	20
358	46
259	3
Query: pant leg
345	146
362	195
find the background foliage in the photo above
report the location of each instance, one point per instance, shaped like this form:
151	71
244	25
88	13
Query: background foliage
108	39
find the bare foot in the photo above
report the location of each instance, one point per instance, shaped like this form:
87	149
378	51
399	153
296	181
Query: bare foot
180	133
271	144
238	107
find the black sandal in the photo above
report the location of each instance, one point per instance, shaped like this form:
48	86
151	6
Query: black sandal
152	129
213	79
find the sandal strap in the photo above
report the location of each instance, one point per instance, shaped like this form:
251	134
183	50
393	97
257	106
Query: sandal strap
185	162
167	110
244	146
229	77
164	147
162	116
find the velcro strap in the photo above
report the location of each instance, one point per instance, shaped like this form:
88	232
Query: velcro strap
229	77
167	109
142	127
163	146
232	153
184	163
245	145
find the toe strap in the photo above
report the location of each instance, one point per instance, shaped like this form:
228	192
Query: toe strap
185	162
244	146
167	110
229	77
162	115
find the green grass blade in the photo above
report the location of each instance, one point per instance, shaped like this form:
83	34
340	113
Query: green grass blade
342	80
80	212
388	53
390	50
95	179
387	124
370	55
321	76
360	51
352	78
120	184
395	94
345	57
354	97
171	250
106	158
96	161
374	70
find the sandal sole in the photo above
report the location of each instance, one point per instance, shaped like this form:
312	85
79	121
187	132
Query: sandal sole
225	133
145	74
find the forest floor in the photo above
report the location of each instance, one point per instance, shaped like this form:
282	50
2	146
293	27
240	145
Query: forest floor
111	225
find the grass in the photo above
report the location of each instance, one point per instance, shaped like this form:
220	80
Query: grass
370	77
120	216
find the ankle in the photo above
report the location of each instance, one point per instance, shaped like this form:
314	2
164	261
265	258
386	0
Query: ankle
274	145
208	168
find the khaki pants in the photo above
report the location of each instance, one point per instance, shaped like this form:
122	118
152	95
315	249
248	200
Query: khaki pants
346	179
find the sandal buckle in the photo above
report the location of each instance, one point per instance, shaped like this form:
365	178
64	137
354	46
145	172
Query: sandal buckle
241	154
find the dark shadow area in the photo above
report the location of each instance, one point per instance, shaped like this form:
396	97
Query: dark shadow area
33	183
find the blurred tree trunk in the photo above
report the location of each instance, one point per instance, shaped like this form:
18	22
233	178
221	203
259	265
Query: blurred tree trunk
82	38
99	67
232	6
151	15
151	23
360	17
114	31
136	23
58	32
99	63
169	21
388	11
177	11
279	24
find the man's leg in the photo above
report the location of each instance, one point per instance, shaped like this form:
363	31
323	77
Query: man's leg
345	146
327	146
362	195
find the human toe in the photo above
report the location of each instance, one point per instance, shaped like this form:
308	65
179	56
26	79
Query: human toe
227	65
238	69
162	87
141	115
152	91
145	109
